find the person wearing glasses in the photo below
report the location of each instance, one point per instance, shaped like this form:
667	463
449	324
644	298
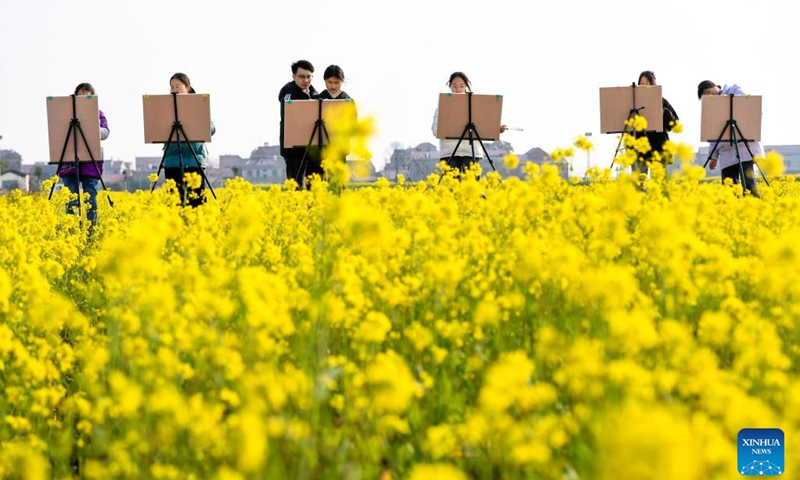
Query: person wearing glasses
656	139
89	175
462	159
299	88
181	153
725	153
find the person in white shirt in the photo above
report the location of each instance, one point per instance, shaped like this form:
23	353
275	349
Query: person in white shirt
462	158
725	153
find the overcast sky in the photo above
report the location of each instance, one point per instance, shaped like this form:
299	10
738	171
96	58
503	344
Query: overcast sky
547	59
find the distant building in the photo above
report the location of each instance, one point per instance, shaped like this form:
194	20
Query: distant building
147	164
14	179
231	161
361	173
38	172
413	163
419	162
267	152
263	170
11	160
266	166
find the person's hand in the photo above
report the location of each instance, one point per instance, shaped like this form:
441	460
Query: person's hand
503	128
713	164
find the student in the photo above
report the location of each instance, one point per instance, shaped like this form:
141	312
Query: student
725	153
334	78
656	139
463	157
299	88
89	174
179	160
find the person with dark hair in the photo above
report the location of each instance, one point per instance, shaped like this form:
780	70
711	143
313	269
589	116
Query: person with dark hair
179	154
656	139
463	159
334	78
725	153
299	88
88	173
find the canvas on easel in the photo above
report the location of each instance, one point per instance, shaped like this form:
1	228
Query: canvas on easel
193	110
718	110
301	116
617	103
454	115
61	137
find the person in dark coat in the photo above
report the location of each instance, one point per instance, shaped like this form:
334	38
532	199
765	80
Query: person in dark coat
656	139
299	163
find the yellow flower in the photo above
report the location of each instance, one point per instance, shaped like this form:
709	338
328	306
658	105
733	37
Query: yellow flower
438	471
373	328
652	442
394	386
561	154
505	381
772	164
533	452
18	460
337	402
337	172
583	143
440	441
715	328
193	180
628	157
511	161
637	123
488	313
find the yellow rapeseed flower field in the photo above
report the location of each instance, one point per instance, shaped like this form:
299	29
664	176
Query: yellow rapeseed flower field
491	328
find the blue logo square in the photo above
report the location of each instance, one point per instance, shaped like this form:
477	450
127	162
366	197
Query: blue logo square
761	451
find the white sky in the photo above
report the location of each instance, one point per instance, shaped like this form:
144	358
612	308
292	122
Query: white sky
548	59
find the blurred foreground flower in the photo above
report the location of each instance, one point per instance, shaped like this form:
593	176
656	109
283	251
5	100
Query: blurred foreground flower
511	161
638	123
583	143
772	164
193	180
337	172
562	153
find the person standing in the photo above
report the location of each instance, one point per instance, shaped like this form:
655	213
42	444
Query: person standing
656	139
87	174
334	78
725	154
179	159
300	163
462	158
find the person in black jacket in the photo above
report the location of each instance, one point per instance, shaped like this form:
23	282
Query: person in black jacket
656	139
334	78
299	88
